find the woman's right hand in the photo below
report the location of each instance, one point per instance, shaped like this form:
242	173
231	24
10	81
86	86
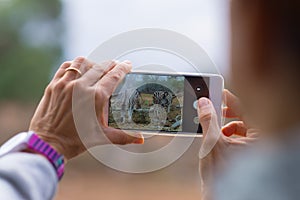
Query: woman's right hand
218	144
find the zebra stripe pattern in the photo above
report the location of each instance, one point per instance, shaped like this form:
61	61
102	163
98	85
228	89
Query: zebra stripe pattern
135	102
163	98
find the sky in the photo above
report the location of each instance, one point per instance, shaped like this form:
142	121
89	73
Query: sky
91	22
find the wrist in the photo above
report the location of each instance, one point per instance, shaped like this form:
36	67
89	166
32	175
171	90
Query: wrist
32	143
36	144
53	142
67	146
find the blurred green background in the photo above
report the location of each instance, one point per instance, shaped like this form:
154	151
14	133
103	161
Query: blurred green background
30	46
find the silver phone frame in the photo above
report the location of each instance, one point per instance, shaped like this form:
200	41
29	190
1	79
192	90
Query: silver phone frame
216	83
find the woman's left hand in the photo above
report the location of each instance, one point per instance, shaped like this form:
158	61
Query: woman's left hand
54	120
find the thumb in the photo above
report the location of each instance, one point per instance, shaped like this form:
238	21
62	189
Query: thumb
209	122
121	137
206	114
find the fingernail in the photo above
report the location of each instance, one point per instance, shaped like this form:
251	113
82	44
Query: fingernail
203	102
138	141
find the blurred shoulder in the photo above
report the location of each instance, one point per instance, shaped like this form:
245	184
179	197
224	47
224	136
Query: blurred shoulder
262	175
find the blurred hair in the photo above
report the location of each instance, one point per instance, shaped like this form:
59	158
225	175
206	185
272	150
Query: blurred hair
283	20
274	25
279	29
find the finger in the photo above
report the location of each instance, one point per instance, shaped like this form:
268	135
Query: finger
80	63
209	122
235	128
247	140
233	107
229	113
117	136
110	81
62	69
253	133
96	72
236	144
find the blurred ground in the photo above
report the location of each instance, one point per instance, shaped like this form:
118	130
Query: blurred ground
86	178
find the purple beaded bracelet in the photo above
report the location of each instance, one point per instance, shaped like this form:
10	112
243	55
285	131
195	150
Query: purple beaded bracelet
57	160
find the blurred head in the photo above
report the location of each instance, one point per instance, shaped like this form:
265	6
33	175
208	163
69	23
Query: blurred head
266	61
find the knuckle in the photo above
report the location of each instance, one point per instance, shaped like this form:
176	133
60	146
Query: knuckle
80	59
124	67
117	75
128	67
65	64
110	62
48	89
60	85
205	117
123	139
80	63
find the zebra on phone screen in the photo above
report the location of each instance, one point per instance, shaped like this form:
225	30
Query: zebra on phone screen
134	102
163	98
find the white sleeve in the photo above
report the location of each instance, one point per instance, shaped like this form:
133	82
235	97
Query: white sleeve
27	176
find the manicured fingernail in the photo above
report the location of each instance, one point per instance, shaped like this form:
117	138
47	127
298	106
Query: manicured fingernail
203	102
138	141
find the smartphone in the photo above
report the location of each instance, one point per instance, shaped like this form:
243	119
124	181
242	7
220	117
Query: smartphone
163	103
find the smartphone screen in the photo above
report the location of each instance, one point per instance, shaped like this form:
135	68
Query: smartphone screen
158	102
